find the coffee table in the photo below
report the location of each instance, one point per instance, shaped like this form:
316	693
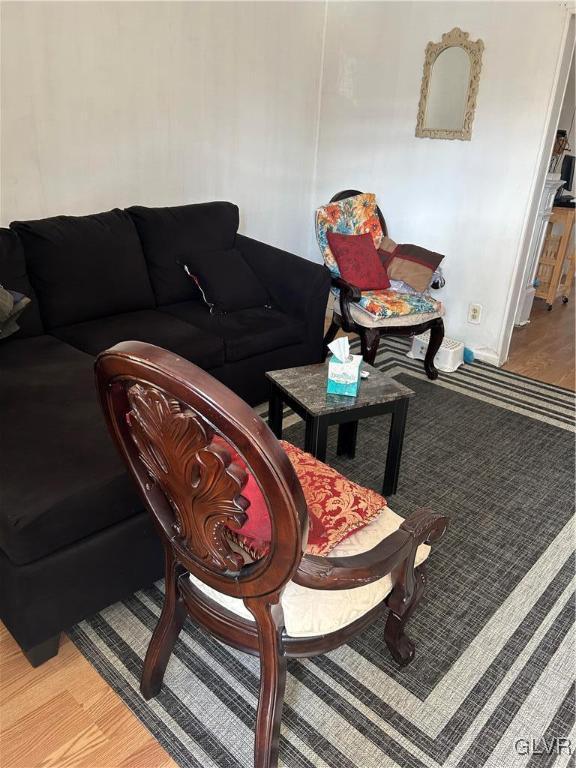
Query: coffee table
304	390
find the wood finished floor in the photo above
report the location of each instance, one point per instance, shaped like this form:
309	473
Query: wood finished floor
63	715
544	349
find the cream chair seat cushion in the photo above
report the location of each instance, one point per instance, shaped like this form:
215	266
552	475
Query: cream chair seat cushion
312	612
366	319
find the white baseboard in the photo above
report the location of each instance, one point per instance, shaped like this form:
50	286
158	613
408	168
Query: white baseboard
487	355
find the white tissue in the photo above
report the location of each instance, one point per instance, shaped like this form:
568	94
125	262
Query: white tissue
340	348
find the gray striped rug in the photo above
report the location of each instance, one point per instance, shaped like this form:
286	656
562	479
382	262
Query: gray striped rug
492	681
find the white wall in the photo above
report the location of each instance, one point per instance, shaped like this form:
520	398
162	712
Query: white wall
567	121
467	200
111	104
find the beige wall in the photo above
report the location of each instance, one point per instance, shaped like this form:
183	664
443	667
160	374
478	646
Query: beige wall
110	104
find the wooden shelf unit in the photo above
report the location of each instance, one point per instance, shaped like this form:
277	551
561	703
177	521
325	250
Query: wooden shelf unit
556	266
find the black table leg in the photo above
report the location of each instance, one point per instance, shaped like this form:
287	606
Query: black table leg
347	439
275	408
395	442
316	437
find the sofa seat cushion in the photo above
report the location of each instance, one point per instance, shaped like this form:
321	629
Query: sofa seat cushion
312	612
60	476
159	328
84	267
246	332
169	234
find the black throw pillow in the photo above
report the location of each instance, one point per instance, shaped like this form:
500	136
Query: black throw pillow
226	281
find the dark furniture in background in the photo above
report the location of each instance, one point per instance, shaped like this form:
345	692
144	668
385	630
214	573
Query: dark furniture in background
304	390
73	533
370	336
157	405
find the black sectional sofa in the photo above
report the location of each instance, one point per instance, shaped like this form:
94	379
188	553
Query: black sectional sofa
73	534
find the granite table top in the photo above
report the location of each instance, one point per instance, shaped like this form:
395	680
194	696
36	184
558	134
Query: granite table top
307	385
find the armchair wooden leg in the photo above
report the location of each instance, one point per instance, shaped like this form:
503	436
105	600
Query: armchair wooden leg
369	340
436	337
166	632
272	682
329	338
399	644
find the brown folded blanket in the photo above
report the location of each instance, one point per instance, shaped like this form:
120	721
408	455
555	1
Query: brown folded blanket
410	263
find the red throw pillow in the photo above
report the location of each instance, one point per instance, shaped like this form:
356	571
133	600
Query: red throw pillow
256	532
257	525
337	507
358	261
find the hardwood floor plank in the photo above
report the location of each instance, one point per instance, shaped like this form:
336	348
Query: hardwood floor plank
545	348
79	750
64	715
54	723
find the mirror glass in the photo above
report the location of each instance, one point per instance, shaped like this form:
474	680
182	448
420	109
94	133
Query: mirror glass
448	91
449	88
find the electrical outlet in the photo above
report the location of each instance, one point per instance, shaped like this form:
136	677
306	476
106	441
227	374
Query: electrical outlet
474	313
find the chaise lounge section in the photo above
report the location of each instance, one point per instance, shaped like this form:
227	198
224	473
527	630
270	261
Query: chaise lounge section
73	534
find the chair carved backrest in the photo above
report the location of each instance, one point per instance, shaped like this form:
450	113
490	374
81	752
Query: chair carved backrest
164	413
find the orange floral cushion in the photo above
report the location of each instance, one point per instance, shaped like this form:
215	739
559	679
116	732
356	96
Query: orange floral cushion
337	507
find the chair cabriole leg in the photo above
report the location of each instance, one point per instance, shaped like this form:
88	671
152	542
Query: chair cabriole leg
436	337
399	644
270	622
369	341
166	632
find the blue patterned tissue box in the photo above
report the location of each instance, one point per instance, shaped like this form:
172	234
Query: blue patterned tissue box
344	378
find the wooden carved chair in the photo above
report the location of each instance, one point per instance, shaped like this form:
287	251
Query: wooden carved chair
355	311
173	423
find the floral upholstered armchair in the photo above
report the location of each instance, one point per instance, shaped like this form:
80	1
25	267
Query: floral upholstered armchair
396	310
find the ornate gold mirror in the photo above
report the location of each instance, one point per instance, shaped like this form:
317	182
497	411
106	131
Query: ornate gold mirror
449	87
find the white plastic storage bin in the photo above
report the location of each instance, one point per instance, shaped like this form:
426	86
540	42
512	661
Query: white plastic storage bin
449	357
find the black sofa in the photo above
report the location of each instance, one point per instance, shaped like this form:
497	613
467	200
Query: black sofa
73	534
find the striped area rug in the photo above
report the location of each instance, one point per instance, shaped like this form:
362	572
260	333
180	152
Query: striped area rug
492	681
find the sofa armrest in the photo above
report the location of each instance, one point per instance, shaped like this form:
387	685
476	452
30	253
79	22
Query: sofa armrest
298	286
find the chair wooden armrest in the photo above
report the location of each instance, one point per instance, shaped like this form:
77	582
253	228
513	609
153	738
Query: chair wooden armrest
394	553
352	292
348	293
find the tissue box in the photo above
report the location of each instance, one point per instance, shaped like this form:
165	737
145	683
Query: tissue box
344	378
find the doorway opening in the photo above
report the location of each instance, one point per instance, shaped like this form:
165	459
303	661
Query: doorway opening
542	344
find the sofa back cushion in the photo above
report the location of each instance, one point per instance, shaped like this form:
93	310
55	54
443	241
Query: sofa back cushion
170	234
85	267
13	276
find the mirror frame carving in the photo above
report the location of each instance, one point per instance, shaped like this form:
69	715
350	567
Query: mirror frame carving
455	38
